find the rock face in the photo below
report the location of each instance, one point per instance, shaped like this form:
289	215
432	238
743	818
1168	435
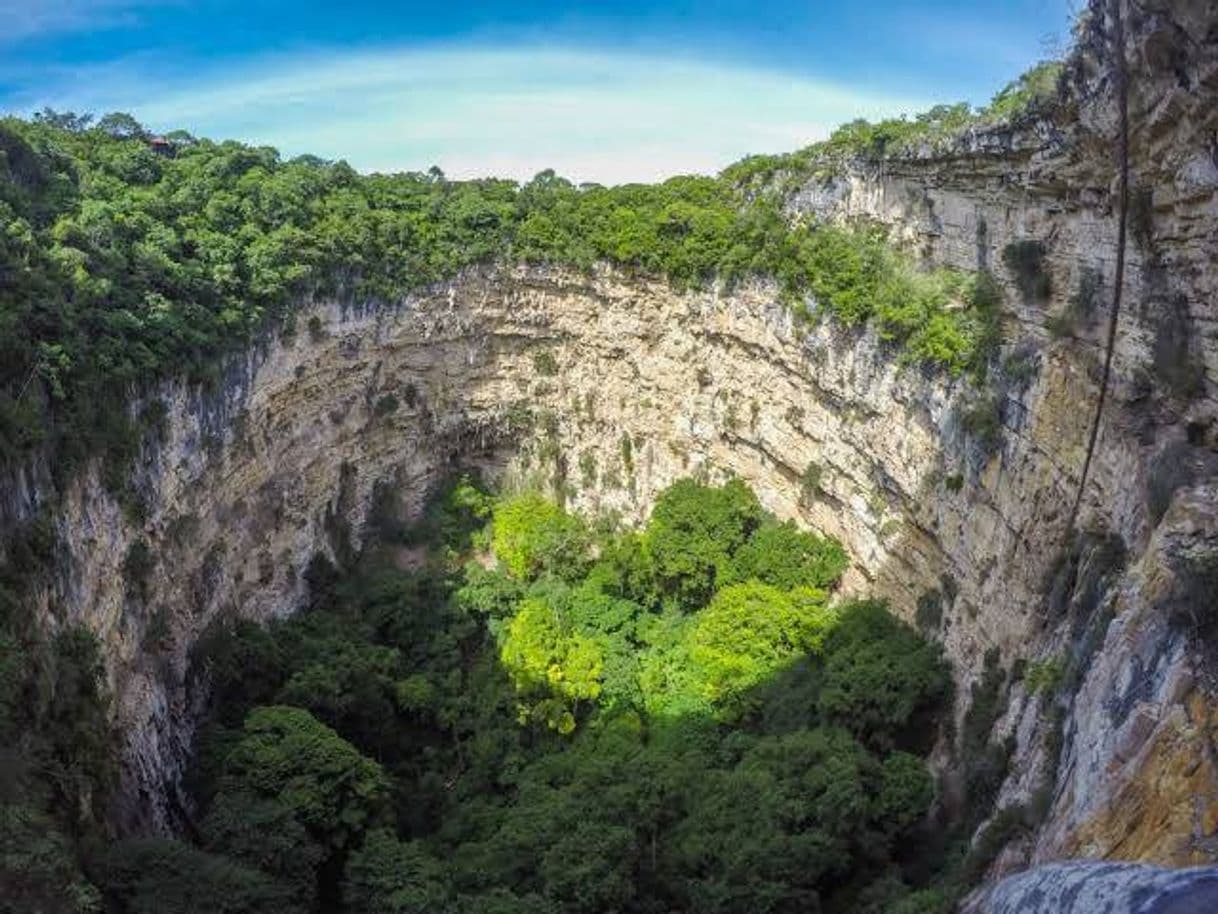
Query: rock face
611	387
1039	205
1102	888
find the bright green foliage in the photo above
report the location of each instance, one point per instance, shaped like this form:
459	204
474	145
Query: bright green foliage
1034	87
1045	676
749	632
532	535
787	557
543	656
155	876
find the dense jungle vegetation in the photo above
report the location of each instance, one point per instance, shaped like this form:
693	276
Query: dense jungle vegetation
547	714
124	261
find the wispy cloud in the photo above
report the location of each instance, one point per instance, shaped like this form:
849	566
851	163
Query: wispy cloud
593	115
23	19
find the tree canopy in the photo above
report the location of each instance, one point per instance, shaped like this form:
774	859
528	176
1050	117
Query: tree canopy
566	717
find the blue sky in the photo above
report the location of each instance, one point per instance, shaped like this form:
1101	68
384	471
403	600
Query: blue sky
606	91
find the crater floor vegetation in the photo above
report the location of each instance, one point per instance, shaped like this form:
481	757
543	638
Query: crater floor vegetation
556	715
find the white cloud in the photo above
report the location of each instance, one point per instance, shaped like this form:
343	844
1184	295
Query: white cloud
592	115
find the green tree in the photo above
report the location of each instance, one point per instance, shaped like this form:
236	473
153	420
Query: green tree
287	755
157	876
773	831
881	679
787	557
532	535
387	876
751	631
549	661
693	532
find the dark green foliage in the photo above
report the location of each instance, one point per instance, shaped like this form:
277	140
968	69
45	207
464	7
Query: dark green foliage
38	869
156	876
1026	262
287	757
693	533
881	679
57	758
78	755
564	742
779	824
387	876
265	834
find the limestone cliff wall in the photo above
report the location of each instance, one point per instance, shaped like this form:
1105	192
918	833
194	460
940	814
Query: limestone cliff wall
1137	776
651	385
285	457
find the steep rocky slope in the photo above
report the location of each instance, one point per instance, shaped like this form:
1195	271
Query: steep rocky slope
613	386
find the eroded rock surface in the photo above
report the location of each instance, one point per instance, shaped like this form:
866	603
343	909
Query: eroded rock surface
1102	888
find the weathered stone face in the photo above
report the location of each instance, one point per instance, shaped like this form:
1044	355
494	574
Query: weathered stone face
647	385
1101	888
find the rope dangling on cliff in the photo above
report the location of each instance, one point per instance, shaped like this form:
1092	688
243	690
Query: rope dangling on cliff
1120	81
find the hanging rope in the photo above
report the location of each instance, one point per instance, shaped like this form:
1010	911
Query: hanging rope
1121	85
